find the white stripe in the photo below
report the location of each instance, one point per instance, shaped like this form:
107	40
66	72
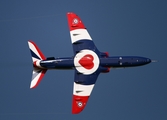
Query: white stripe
82	90
34	59
79	34
80	68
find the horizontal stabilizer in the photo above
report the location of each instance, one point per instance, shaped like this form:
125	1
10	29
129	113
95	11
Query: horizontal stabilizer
38	71
37	76
35	52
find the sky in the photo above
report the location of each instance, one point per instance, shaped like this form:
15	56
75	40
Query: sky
120	27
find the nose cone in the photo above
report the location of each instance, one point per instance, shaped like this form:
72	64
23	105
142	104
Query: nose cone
148	60
144	61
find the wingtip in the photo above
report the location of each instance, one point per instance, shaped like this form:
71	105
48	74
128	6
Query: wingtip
70	13
74	21
79	103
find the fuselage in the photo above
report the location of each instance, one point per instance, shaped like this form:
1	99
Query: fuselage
108	62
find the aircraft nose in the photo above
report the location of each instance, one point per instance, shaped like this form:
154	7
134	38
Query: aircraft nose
148	60
145	61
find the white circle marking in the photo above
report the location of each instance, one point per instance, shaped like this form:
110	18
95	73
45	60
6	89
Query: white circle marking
80	68
80	104
75	20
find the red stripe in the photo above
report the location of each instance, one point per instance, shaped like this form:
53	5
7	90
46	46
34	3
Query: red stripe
38	50
34	64
74	22
78	103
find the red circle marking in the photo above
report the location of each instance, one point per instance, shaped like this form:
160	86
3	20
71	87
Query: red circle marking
87	61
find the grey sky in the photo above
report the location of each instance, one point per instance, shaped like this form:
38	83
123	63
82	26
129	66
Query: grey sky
121	27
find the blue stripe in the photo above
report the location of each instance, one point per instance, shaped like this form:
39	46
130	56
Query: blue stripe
85	44
86	79
33	54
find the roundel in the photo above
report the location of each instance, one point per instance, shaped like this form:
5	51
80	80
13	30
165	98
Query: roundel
86	62
75	21
79	104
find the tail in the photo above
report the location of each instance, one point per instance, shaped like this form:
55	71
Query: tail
38	72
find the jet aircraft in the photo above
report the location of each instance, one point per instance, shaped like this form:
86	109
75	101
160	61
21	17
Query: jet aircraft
87	62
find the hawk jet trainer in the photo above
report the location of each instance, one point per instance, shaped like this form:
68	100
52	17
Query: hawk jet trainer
87	62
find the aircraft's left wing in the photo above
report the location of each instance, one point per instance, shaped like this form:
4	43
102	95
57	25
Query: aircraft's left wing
83	86
80	37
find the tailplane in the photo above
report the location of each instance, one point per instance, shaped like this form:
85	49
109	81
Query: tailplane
37	76
38	72
35	52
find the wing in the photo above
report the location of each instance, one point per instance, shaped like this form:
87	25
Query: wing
83	86
80	37
86	62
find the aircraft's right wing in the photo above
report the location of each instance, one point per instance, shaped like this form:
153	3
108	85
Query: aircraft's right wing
83	86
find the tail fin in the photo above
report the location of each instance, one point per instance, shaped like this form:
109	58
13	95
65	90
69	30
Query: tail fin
38	72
